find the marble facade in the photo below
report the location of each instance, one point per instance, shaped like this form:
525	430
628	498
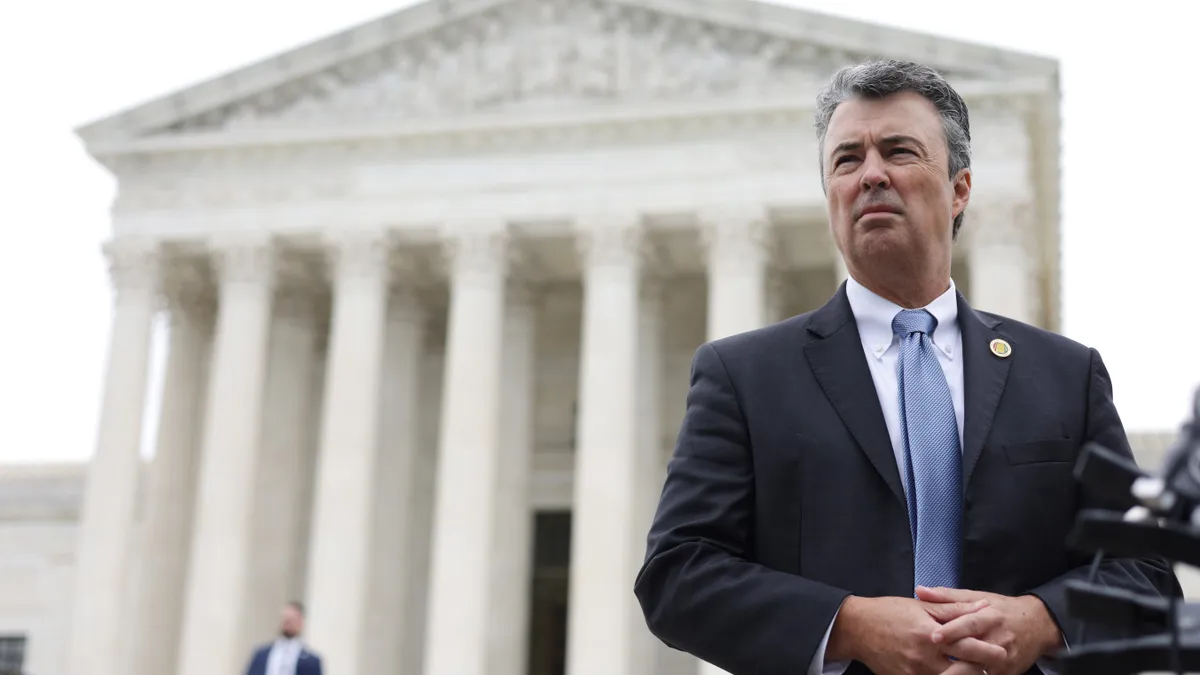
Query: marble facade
445	271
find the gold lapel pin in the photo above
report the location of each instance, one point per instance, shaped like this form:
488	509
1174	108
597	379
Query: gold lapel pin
1001	348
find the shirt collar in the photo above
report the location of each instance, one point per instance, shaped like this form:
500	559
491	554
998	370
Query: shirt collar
874	316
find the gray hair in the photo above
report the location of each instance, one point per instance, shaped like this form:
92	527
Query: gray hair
877	79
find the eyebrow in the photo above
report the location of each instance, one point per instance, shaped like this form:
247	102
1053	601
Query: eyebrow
894	139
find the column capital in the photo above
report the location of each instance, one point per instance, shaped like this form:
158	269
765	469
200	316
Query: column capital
737	214
134	264
359	255
735	233
476	248
610	241
251	259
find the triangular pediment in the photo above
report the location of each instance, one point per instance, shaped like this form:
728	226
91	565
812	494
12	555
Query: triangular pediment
446	60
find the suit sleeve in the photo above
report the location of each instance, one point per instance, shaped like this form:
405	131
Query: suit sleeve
700	588
1152	576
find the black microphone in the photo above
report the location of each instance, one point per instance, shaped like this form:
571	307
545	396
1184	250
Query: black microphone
1144	515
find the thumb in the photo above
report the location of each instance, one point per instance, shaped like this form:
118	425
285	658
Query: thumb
944	612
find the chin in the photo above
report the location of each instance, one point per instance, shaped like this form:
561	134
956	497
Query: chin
876	239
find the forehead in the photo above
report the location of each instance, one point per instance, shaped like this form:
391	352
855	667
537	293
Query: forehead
865	120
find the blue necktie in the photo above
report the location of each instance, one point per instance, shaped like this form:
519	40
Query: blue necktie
931	450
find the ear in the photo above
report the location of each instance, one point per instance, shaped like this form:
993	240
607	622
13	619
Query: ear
961	184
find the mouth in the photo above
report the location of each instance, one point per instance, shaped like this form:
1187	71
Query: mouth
878	209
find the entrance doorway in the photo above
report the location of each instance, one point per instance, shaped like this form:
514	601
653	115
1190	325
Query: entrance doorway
548	609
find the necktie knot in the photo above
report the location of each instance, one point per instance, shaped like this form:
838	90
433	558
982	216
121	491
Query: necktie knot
910	321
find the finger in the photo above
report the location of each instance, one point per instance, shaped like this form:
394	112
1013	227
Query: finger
964	668
975	650
943	612
975	624
943	594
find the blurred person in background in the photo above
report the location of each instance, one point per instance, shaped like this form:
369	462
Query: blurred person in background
287	654
885	485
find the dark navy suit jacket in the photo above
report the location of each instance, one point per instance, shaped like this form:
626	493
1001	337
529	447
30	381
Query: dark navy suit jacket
783	496
307	664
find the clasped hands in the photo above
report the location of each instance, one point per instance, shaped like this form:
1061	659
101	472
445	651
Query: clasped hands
944	632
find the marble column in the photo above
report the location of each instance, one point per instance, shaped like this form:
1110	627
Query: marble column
106	528
513	555
602	621
221	543
388	633
737	284
1002	261
735	242
464	536
284	461
158	612
339	568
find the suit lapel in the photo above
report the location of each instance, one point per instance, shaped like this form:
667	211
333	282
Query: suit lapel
984	376
840	367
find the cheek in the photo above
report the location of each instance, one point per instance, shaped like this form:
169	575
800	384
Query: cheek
841	197
921	188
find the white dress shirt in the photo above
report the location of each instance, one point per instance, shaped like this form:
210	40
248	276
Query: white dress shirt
285	652
874	316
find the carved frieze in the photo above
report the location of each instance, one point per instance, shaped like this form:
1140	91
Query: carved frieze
540	54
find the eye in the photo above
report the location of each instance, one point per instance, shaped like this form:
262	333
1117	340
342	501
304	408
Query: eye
901	150
843	159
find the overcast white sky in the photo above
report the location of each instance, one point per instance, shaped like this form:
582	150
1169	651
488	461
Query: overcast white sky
1130	148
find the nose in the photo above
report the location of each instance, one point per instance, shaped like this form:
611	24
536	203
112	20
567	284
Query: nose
874	173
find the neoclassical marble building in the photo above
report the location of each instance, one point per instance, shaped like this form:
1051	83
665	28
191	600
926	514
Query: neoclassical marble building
433	287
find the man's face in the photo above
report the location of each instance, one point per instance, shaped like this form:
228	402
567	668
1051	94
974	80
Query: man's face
291	622
891	199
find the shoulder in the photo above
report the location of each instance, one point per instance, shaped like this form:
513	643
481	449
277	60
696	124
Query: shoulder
309	662
1048	355
264	648
1039	339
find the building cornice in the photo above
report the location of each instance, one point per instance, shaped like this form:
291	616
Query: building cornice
818	30
499	130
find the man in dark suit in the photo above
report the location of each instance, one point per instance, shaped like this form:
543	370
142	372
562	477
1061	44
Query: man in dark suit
287	654
884	485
